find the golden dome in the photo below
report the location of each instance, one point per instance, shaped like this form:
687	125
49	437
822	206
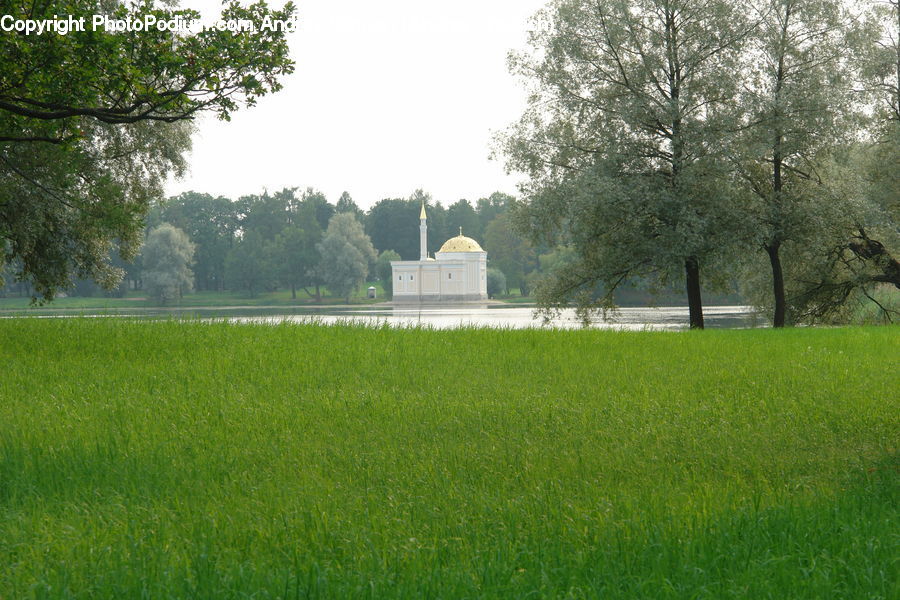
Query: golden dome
460	243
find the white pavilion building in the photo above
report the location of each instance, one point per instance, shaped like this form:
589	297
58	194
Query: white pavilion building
457	273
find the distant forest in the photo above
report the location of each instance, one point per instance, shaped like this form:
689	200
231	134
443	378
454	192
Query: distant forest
274	239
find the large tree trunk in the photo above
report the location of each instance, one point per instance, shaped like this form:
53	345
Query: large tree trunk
777	283
774	244
695	303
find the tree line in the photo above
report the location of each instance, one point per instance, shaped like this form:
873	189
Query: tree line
707	143
701	144
300	241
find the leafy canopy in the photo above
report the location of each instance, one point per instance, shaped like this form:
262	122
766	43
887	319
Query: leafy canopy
167	257
92	123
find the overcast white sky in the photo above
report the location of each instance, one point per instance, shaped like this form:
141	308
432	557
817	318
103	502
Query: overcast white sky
388	96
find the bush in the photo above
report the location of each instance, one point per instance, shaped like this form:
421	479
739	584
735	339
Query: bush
385	273
496	283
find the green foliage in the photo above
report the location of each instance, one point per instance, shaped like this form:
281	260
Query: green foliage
623	141
158	75
296	256
314	206
92	123
249	265
65	209
492	207
266	214
881	57
393	220
496	283
461	214
509	252
384	271
167	256
393	223
797	108
827	280
556	259
346	204
211	224
346	254
285	230
173	459
550	263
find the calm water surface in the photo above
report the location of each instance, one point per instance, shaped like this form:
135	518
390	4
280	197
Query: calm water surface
444	317
439	317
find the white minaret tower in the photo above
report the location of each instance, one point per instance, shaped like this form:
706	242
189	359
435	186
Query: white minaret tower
423	234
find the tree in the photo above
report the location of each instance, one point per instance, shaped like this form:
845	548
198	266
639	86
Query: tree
286	232
438	232
133	269
623	141
345	204
167	256
63	209
492	207
295	256
461	214
549	263
266	214
496	283
798	108
312	214
859	253
882	159
385	272
93	122
314	204
248	265
346	253
393	223
211	224
509	252
158	74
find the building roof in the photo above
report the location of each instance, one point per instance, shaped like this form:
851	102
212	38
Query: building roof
460	243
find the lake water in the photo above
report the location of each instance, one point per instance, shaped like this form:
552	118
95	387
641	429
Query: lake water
444	317
439	317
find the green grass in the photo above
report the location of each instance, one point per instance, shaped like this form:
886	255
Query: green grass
205	460
515	297
140	299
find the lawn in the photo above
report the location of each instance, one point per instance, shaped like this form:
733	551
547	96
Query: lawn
167	459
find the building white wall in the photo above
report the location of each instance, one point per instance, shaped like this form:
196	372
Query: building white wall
453	276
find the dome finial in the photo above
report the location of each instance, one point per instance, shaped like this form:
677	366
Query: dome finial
460	230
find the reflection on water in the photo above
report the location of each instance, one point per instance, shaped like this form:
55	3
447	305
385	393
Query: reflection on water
447	317
438	317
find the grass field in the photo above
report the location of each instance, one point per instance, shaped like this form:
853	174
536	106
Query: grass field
205	460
